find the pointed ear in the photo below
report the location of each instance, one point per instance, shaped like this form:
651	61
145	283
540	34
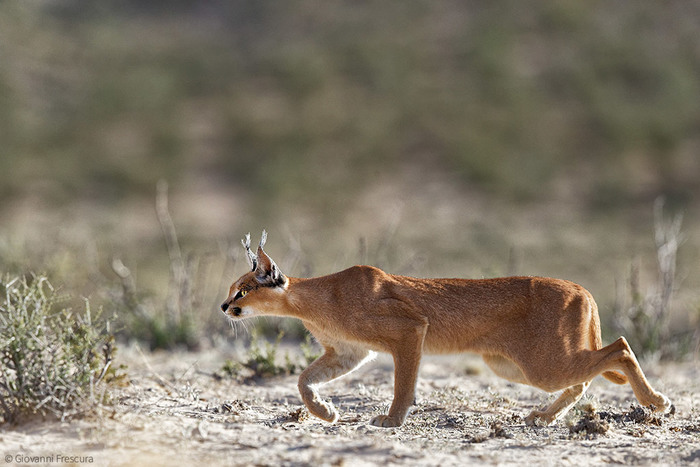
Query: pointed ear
266	270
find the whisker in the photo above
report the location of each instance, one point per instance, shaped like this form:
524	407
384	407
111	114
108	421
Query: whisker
234	328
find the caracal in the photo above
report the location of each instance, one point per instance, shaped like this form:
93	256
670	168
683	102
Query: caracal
531	330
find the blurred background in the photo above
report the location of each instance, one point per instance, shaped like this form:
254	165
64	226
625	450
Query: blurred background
141	139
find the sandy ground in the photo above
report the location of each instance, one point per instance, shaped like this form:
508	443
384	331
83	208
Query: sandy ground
179	409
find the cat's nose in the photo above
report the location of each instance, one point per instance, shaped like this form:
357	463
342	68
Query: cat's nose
224	306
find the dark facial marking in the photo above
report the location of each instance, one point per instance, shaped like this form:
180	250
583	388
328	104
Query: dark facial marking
270	281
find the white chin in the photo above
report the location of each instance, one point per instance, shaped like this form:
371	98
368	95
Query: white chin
247	312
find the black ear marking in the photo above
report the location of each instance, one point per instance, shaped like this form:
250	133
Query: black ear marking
272	278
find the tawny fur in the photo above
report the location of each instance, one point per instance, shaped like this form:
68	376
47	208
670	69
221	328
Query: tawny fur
532	330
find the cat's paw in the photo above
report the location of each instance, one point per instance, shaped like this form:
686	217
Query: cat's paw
385	421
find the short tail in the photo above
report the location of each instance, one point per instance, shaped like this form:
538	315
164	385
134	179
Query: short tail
615	376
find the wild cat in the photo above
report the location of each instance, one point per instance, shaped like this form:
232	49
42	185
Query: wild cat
533	330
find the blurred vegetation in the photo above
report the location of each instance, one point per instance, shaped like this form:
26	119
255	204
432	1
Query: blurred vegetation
299	114
643	312
101	99
263	360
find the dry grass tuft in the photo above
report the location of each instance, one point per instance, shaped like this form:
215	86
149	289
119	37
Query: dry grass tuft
52	359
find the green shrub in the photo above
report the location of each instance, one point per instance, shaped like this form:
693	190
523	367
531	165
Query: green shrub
262	358
51	358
